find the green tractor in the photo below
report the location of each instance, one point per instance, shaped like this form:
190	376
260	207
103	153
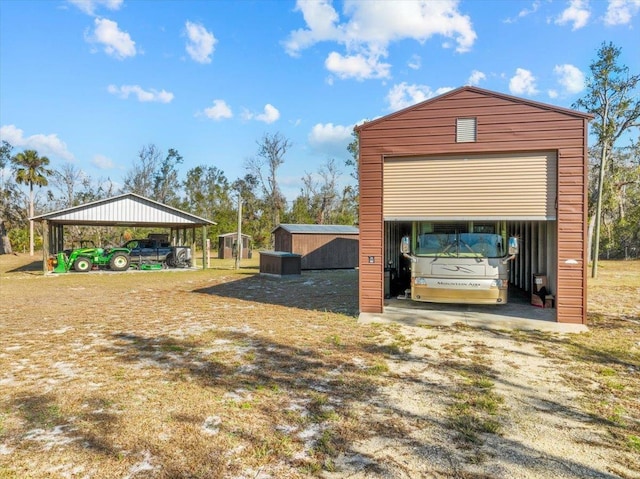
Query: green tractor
84	259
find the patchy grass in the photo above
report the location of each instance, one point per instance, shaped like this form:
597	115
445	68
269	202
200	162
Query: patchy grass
608	356
178	373
476	407
604	363
225	373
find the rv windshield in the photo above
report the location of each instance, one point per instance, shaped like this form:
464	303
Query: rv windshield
460	245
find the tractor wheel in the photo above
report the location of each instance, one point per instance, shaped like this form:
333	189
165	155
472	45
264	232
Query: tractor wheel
183	260
82	264
119	262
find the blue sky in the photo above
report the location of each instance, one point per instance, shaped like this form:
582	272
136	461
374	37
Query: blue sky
89	82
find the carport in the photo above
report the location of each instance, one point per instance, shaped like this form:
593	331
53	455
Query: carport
482	156
129	210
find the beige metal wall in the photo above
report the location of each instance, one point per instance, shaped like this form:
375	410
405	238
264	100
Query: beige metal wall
501	186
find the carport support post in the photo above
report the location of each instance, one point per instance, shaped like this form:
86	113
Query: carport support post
45	246
239	241
204	243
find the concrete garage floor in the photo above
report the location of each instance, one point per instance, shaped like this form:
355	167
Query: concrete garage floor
518	313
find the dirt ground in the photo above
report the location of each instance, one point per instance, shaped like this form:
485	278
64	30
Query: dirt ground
230	374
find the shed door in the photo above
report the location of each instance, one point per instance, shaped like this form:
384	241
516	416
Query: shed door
517	186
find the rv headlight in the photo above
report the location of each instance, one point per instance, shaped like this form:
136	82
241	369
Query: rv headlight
499	283
420	280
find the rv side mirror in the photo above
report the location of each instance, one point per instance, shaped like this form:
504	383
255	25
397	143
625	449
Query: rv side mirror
405	245
514	247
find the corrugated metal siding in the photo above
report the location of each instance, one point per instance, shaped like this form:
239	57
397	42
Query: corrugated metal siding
124	211
371	287
325	251
504	125
319	251
318	229
127	209
282	240
502	186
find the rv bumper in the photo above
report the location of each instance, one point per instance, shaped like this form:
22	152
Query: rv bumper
464	292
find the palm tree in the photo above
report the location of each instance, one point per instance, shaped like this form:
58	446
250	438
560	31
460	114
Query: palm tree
30	169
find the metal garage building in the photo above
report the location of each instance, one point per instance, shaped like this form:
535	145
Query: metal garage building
128	209
478	155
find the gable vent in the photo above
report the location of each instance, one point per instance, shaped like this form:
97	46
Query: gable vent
465	130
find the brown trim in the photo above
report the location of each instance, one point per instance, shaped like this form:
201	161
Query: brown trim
585	221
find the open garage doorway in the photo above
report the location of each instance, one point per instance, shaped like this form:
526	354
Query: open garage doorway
532	276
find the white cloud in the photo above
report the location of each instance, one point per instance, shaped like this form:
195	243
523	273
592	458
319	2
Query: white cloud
371	26
89	6
476	77
102	162
331	140
577	13
270	114
356	66
201	43
415	62
116	43
570	77
620	12
45	145
443	89
525	12
329	133
523	83
404	95
528	11
553	93
143	95
218	111
321	20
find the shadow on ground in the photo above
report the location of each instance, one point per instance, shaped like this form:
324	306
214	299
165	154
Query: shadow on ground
331	291
33	267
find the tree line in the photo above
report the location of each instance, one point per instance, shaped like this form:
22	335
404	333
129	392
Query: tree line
612	97
203	191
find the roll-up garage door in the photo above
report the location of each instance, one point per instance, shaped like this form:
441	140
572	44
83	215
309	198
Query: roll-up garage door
500	186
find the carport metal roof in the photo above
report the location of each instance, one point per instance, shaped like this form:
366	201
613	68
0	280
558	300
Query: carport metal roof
128	209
